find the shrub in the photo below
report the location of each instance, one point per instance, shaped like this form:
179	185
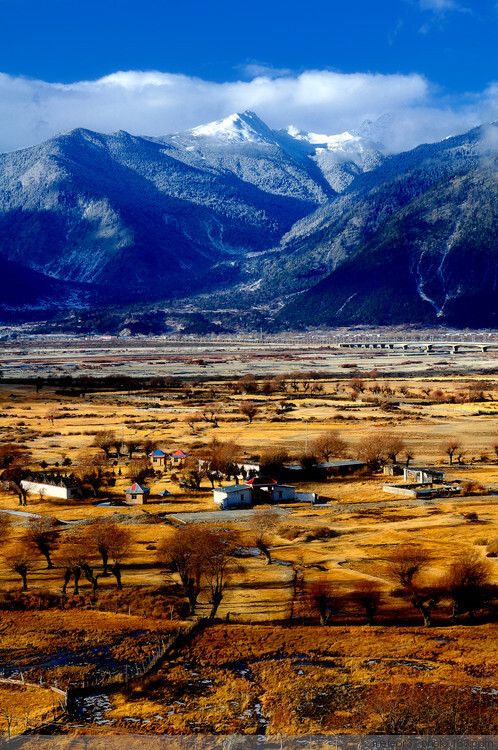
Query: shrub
471	517
322	532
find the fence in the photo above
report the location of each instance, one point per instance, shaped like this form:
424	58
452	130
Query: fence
110	681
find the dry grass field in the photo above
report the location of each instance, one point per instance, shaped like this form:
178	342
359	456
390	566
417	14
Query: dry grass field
271	667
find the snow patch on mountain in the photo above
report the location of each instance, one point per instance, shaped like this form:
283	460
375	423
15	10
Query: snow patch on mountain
237	128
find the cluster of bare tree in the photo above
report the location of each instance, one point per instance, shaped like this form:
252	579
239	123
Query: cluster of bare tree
72	552
378	448
109	440
291	382
465	585
200	559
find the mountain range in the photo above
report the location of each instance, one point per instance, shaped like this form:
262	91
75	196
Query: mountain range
308	229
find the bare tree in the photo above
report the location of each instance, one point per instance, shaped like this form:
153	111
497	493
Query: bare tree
105	439
94	473
20	562
132	446
247	384
42	535
119	549
219	548
191	474
272	460
279	384
322	600
140	470
357	385
182	553
450	447
8	712
209	414
149	446
192	420
371	450
393	445
377	448
468	583
219	459
15	464
91	577
307	459
52	413
249	409
328	444
105	537
405	565
367	595
11	453
264	522
72	558
118	445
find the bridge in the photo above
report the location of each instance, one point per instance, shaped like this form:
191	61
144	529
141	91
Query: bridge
431	345
453	342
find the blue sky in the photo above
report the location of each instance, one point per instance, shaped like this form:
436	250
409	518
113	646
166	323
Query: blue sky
158	66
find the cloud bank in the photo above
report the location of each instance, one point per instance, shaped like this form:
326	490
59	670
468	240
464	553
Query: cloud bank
155	103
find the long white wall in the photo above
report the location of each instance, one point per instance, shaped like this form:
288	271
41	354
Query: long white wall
48	490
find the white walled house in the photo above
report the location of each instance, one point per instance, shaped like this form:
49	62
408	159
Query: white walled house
280	493
234	496
257	491
45	489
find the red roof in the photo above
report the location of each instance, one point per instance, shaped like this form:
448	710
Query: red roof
261	481
179	454
135	487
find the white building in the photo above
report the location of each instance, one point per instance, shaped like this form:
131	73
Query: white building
51	490
282	492
419	475
234	496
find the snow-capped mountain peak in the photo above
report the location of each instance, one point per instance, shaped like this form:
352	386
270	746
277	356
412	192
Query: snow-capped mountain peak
347	143
236	128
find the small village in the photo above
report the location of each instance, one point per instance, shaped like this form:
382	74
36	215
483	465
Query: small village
284	519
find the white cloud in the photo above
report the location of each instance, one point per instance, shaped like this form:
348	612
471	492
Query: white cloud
439	6
155	103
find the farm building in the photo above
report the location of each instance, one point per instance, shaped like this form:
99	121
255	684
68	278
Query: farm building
256	491
178	458
393	470
422	475
136	494
234	496
52	485
267	490
158	458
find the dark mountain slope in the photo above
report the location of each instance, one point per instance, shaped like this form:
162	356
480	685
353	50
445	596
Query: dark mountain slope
320	242
434	261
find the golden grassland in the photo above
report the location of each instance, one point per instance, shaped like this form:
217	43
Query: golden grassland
299	680
25	706
204	688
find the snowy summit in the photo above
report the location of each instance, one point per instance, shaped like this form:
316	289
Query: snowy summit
236	128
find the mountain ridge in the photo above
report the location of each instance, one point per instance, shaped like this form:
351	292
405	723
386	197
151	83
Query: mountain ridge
235	215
